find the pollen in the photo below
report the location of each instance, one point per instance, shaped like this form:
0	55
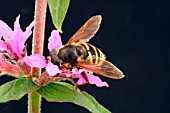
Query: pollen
73	70
90	72
7	40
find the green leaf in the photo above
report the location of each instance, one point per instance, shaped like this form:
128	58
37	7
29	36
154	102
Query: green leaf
62	92
16	89
58	9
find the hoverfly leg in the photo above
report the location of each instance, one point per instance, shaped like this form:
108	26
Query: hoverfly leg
54	58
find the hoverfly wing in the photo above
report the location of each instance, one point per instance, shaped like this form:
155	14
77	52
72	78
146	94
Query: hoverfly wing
106	69
87	31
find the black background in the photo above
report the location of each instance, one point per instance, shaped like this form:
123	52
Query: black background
134	35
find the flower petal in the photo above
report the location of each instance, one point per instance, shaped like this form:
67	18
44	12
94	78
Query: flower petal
1	57
76	71
35	60
3	46
18	39
81	80
5	30
8	68
67	74
52	69
28	31
54	41
96	80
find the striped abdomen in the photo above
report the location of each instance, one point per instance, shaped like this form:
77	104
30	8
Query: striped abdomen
91	53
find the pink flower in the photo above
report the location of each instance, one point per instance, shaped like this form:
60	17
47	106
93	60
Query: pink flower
14	40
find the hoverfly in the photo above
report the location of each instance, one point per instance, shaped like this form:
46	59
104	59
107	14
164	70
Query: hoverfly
77	52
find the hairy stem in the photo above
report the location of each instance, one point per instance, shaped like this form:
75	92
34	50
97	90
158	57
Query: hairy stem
34	99
34	103
38	34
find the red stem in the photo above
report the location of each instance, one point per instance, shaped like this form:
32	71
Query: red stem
34	99
38	34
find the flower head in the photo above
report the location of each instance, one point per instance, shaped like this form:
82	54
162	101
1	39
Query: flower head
13	40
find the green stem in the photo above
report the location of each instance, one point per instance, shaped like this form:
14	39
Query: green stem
34	103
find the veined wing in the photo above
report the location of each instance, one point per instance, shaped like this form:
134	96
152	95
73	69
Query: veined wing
105	68
87	31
